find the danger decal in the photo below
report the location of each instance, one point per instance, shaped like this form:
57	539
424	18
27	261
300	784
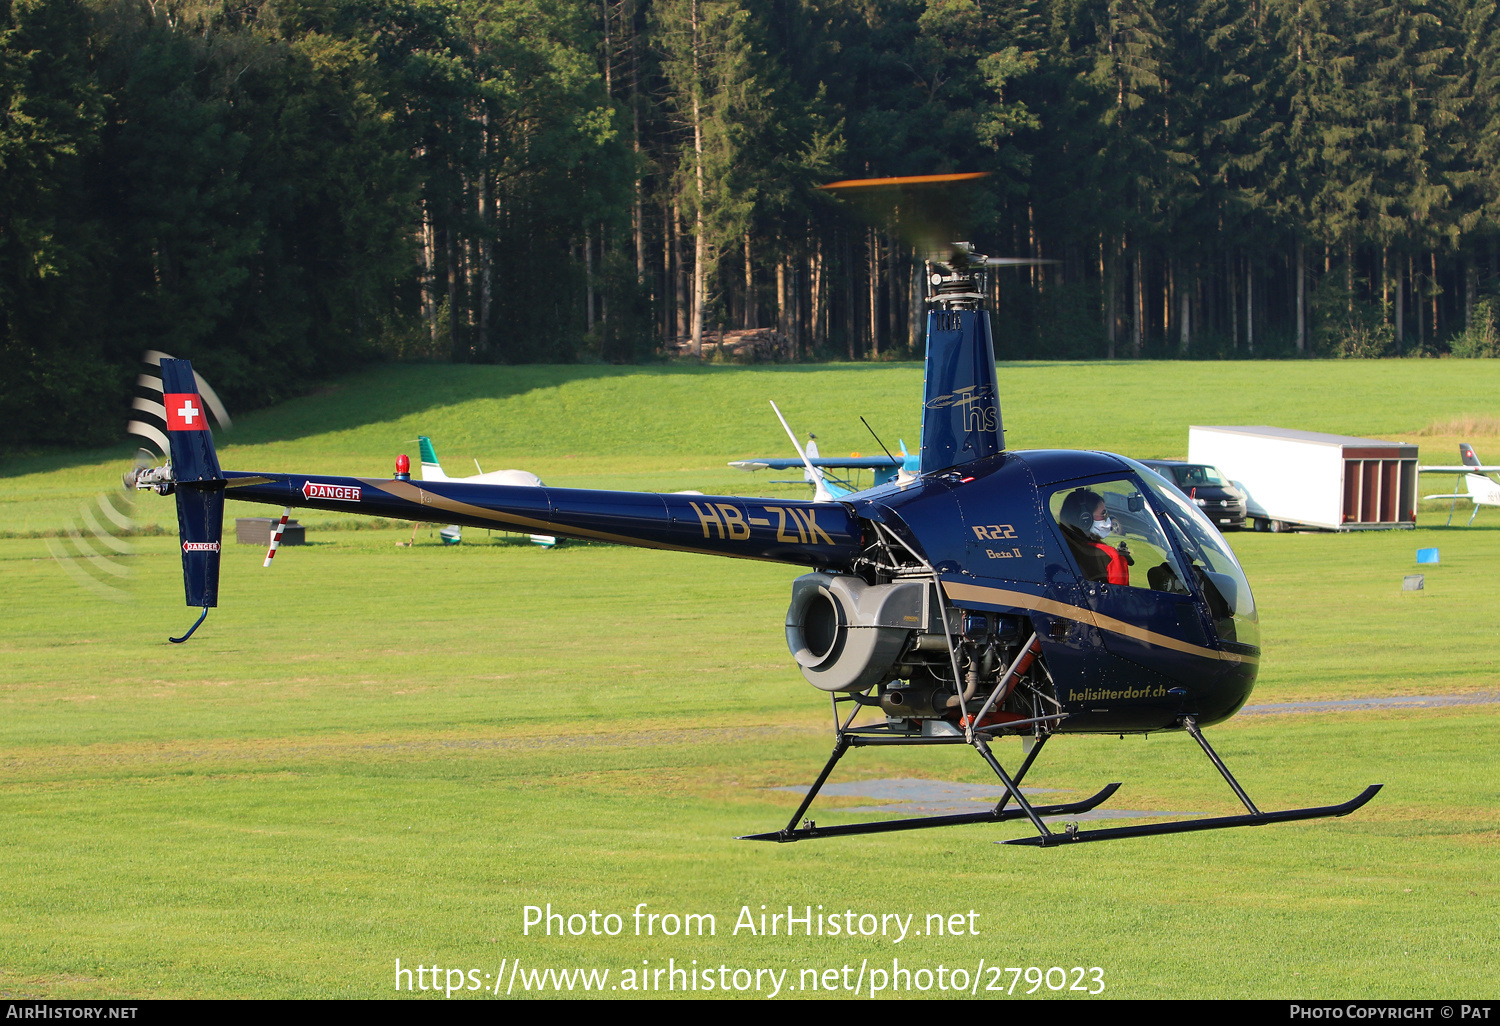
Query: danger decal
344	493
200	546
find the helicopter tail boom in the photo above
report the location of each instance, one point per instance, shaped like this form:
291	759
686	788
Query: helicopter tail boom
776	530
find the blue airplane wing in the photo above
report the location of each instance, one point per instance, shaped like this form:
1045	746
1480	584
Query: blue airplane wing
881	462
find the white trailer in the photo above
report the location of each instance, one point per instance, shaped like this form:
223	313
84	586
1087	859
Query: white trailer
1306	479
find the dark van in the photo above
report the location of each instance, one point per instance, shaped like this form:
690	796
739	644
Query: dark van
1210	491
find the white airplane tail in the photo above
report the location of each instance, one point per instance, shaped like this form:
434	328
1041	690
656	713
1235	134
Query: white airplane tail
1480	487
432	470
821	494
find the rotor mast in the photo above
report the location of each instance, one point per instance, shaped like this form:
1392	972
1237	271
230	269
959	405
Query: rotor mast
959	283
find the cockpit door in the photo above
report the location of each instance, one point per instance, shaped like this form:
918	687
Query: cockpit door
1134	581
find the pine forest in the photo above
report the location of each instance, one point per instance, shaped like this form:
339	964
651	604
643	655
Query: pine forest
282	189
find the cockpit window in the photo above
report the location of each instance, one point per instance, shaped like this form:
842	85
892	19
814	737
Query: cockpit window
1214	565
1115	538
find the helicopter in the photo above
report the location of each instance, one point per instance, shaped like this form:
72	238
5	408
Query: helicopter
995	594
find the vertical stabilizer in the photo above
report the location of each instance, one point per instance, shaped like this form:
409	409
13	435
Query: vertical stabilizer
431	469
960	401
199	483
1466	453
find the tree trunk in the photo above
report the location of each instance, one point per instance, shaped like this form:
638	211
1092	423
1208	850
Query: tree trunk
892	294
486	270
1433	264
635	134
1168	285
751	315
1184	301
781	304
1234	309
1471	291
1349	280
794	286
588	279
1249	307
1107	295
917	308
818	335
1385	285
679	273
1138	291
1301	299
429	272
668	276
455	343
851	325
699	228
1416	308
1401	278
639	225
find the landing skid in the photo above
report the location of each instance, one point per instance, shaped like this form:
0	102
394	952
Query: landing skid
1254	816
1025	810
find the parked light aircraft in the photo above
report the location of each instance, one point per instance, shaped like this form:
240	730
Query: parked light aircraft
900	469
432	470
1482	489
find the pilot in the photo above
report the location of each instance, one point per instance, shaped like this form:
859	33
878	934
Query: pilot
1086	524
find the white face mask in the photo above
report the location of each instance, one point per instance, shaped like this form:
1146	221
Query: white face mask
1102	528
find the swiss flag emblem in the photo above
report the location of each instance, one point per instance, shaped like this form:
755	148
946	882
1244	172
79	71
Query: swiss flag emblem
185	412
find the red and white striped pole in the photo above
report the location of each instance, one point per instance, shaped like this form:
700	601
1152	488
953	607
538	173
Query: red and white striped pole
276	537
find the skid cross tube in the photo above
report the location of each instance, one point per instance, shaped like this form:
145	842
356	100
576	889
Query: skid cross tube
1254	817
999	814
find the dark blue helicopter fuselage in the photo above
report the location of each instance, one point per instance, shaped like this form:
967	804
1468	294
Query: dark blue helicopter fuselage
1122	659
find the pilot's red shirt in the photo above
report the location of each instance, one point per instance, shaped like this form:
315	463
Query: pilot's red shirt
1119	570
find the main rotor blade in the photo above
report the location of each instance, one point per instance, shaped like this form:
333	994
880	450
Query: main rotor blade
928	212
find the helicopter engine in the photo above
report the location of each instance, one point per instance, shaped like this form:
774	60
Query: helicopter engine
849	635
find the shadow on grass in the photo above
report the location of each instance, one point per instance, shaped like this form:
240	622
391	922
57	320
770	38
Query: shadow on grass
393	391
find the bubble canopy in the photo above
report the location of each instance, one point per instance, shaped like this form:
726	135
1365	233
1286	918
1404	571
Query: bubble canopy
1213	561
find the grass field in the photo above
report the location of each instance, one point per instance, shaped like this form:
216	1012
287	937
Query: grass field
676	427
373	753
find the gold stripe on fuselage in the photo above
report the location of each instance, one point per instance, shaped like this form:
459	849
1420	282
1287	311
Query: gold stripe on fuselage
1020	599
421	496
